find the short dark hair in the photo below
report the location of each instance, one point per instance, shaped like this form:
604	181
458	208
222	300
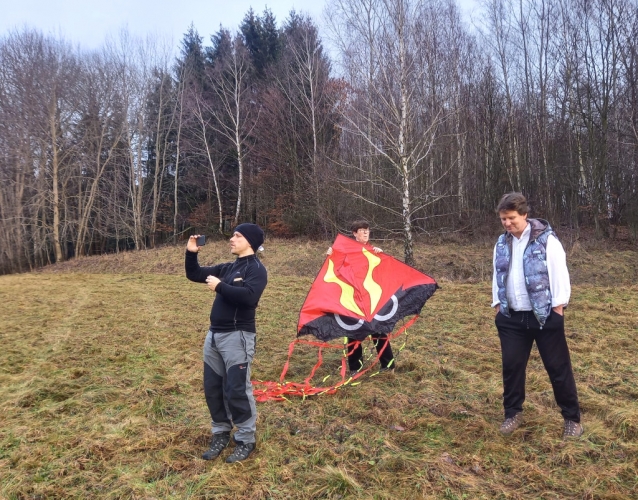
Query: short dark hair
359	224
513	201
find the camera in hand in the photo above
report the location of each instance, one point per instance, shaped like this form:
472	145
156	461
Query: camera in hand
201	241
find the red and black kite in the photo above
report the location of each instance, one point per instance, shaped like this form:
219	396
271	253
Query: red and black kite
358	292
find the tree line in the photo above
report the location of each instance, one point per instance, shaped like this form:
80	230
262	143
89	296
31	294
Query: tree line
414	120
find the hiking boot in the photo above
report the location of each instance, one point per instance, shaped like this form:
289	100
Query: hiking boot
572	430
242	452
389	369
217	445
509	425
354	372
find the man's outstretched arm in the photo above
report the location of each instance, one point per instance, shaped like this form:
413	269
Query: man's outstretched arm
194	271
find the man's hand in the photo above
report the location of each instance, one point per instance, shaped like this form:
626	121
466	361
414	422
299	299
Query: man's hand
191	246
212	282
377	250
329	251
558	310
497	308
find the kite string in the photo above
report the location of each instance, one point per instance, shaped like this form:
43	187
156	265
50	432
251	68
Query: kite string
277	391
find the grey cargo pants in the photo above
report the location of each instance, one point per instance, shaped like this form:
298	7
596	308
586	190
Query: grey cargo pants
227	386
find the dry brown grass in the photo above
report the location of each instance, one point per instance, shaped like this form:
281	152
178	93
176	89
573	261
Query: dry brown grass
100	390
591	263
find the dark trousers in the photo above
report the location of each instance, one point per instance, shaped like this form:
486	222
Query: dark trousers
517	335
386	359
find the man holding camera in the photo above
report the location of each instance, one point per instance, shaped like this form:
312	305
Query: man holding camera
230	343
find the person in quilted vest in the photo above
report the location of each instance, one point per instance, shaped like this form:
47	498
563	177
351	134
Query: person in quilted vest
530	291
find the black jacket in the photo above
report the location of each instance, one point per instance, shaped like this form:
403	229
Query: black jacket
242	283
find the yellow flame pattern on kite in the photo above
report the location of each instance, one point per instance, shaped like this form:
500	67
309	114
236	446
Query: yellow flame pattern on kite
347	291
373	288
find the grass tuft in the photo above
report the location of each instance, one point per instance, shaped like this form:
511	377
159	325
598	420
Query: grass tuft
335	481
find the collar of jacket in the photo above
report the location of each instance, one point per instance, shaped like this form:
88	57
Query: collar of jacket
539	226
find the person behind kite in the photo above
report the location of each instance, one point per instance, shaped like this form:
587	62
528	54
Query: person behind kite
361	232
358	292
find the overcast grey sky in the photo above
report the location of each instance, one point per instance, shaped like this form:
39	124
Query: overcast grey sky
88	22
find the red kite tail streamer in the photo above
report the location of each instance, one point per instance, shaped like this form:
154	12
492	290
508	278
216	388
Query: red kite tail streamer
282	390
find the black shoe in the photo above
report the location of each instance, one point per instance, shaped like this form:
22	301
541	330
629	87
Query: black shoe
354	372
217	445
242	452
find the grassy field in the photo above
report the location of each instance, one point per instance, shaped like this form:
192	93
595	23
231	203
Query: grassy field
101	397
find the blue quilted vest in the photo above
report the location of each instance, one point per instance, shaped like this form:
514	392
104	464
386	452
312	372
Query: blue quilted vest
534	268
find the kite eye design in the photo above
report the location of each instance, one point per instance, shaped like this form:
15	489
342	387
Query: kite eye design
346	326
378	317
395	306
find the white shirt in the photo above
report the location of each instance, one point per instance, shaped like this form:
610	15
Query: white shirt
517	297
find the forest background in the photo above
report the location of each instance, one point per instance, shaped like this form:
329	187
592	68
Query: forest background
413	120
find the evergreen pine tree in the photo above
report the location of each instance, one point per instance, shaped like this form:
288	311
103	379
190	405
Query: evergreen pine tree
189	68
262	39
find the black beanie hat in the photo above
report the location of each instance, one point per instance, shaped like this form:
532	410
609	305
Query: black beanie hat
253	233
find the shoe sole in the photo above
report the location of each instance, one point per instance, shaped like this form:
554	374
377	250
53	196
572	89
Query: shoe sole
243	459
508	433
216	456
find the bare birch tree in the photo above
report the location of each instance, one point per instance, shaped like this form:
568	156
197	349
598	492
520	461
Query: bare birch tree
385	114
103	127
233	112
202	134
